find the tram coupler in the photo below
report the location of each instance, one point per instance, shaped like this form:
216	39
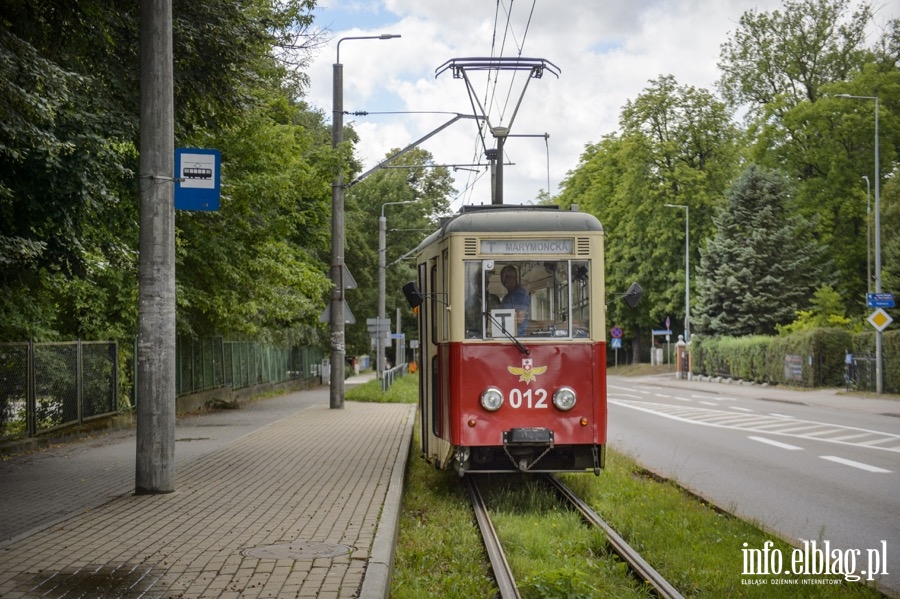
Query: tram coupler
534	437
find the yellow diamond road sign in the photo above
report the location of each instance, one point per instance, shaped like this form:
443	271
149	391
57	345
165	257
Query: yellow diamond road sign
880	319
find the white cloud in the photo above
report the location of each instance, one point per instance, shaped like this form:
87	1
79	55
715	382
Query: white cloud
606	51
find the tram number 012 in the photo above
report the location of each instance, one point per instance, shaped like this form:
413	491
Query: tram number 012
530	398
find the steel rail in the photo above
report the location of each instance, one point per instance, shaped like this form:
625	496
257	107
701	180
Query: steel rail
634	560
503	576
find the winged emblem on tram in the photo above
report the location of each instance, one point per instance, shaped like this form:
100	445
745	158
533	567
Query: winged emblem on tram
527	372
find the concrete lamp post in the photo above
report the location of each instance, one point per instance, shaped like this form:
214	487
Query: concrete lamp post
879	370
382	252
338	348
687	270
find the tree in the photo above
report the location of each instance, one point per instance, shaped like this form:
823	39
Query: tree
255	268
68	141
890	235
787	67
418	181
763	263
776	60
677	146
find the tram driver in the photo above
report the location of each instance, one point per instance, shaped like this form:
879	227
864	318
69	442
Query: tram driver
516	297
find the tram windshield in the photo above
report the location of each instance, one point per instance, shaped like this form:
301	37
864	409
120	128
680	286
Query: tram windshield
546	298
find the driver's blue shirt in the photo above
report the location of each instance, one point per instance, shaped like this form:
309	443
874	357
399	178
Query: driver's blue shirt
518	298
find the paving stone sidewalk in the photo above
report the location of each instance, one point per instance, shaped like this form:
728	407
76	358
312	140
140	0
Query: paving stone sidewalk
291	509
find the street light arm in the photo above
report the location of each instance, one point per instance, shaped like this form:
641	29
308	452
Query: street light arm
383	36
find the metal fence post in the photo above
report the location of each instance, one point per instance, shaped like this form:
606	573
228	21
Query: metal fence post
31	393
79	381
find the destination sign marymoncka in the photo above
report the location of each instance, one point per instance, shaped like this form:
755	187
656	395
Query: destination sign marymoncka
527	246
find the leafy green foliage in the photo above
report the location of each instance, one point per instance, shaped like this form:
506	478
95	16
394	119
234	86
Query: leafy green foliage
762	264
68	165
427	188
787	67
252	268
821	353
678	146
789	55
827	311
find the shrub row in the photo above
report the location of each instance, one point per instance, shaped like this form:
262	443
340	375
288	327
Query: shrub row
813	358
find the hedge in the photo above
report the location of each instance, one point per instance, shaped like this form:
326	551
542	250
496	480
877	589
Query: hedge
813	358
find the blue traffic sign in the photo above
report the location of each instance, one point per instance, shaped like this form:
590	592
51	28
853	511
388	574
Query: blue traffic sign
197	179
616	333
615	343
880	300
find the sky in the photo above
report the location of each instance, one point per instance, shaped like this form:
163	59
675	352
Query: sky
606	53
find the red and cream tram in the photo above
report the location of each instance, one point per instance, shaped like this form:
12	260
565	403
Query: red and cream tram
512	348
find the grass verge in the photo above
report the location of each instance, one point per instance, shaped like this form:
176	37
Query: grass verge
404	390
695	546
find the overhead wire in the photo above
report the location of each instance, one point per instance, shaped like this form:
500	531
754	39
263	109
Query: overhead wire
493	78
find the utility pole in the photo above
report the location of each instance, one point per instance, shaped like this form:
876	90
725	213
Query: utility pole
338	346
687	269
155	464
879	366
382	315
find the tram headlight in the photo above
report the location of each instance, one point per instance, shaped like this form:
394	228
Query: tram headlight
564	398
491	399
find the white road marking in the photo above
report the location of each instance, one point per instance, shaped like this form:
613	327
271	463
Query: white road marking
859	465
776	443
776	425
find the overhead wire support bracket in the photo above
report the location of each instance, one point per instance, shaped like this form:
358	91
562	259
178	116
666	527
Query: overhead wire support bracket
399	153
460	68
537	66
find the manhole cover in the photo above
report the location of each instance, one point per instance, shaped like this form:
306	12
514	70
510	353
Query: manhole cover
296	550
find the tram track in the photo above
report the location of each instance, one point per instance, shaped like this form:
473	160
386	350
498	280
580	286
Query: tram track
634	560
503	575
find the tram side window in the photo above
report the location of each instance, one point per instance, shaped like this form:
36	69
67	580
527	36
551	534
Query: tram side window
581	299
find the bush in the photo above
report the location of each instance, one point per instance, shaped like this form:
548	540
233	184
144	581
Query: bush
820	354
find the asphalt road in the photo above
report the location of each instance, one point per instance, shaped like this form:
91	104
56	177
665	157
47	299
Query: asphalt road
805	465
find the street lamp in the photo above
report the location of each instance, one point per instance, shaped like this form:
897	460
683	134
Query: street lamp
338	349
868	236
687	270
879	386
382	252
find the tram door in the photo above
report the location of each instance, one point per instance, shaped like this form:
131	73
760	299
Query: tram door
431	331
